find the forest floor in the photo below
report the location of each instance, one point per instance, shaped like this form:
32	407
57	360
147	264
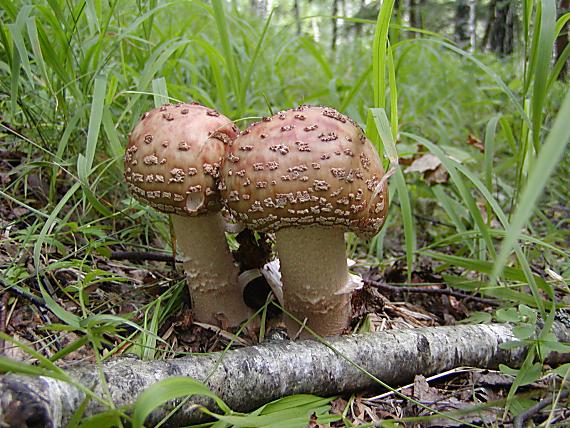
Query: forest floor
385	302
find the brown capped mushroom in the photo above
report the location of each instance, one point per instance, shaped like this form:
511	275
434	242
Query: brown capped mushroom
308	174
172	163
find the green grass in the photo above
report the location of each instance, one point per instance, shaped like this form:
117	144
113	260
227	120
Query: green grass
76	76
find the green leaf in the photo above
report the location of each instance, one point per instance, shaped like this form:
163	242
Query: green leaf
550	343
526	376
465	192
116	149
563	370
524	331
477	317
293	411
529	314
247	81
297	401
507	370
167	390
507	315
36	49
512	345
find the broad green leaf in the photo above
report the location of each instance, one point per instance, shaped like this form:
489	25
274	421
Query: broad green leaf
167	390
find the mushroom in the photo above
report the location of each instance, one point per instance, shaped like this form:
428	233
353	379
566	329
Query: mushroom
308	174
172	163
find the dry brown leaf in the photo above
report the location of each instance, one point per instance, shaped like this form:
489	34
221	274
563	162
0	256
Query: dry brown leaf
423	392
437	176
483	210
432	169
338	406
427	162
472	140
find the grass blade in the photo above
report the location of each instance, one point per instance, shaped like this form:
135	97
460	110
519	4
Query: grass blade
379	49
463	190
383	127
548	158
229	54
248	75
543	59
36	49
160	91
490	151
85	163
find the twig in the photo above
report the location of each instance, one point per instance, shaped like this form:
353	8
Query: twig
142	257
3	318
523	417
433	221
427	290
38	301
430	219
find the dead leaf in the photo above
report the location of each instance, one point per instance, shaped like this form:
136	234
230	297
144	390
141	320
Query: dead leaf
15	352
432	169
472	140
423	392
427	162
437	176
483	210
338	406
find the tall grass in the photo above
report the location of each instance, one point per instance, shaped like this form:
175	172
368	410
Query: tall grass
75	77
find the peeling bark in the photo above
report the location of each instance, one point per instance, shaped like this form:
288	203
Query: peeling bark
249	377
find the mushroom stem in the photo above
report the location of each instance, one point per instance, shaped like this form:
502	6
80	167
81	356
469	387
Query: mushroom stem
315	278
210	269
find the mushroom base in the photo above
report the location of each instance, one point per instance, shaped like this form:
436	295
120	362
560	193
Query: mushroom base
210	270
315	276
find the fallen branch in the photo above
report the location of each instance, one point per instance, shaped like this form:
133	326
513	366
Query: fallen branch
3	317
136	256
520	420
249	377
37	301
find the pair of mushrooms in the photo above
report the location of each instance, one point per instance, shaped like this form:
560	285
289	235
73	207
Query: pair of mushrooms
307	174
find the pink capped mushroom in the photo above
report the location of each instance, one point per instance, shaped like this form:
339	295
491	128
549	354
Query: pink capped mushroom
308	174
172	163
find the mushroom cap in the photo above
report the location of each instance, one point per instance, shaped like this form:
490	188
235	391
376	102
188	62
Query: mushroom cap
305	166
174	155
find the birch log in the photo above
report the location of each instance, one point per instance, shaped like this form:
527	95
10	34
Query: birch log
249	377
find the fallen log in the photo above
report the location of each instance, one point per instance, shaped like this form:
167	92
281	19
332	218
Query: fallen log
249	377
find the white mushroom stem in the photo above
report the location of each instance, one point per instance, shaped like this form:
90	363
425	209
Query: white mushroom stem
210	269
315	278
